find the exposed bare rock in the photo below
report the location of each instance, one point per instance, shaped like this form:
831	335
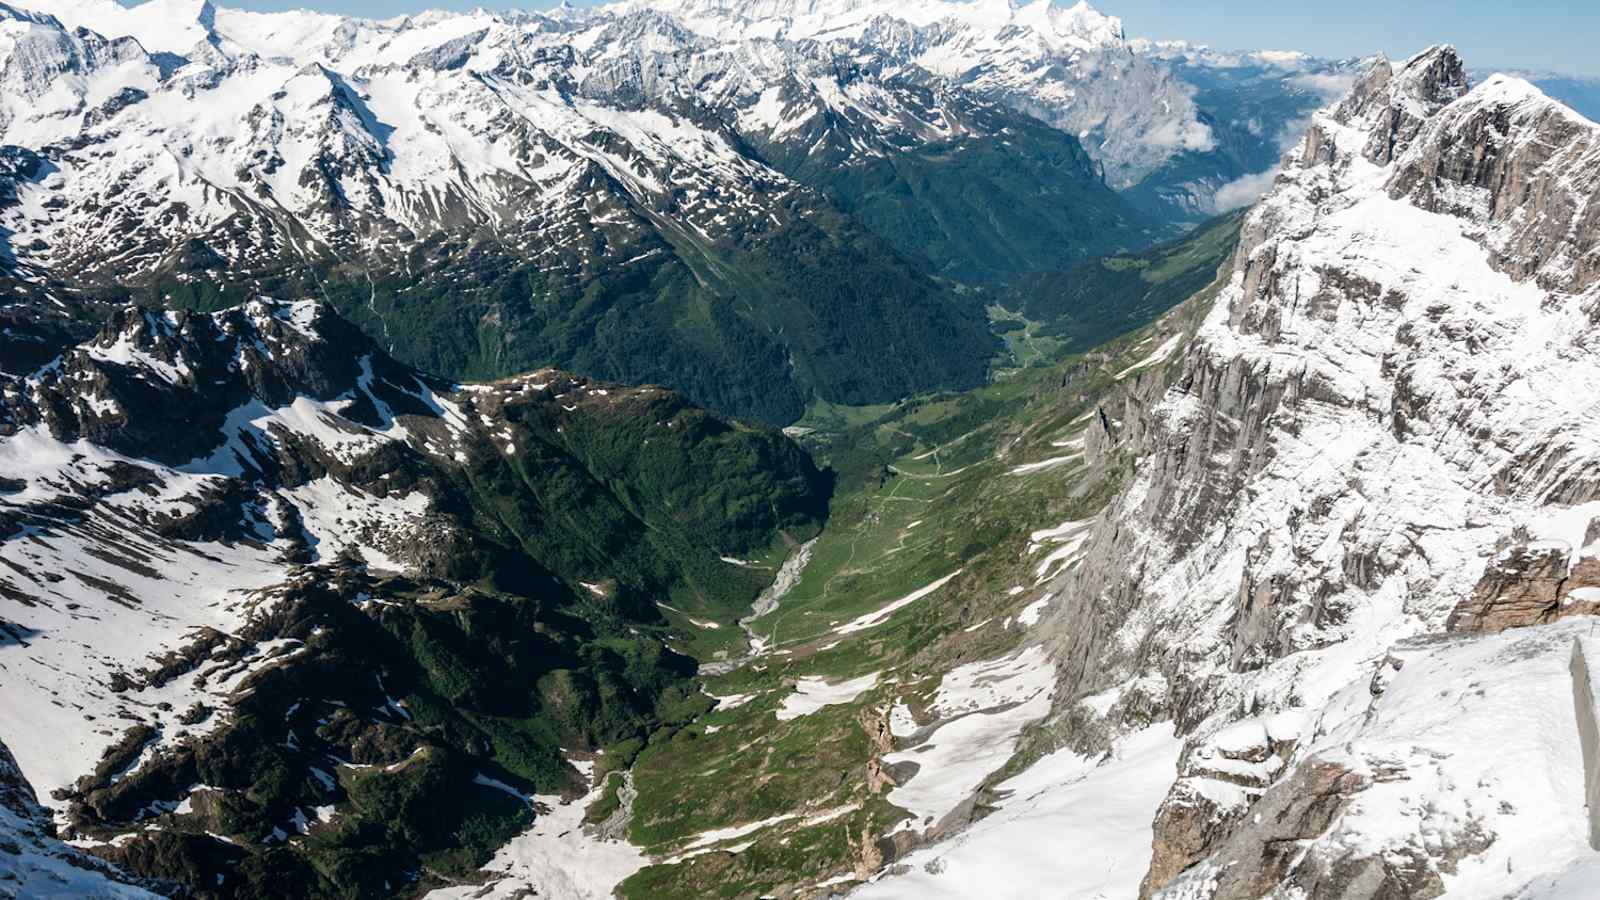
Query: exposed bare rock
1220	778
1322	450
1532	583
1297	810
1393	791
1525	585
1523	168
876	723
1395	106
869	856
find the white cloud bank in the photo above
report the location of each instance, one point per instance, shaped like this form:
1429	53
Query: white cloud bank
1244	191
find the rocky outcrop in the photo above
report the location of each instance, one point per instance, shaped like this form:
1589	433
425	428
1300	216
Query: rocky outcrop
1310	363
875	722
1270	852
1529	584
1399	102
868	853
160	385
1421	772
1523	164
1220	778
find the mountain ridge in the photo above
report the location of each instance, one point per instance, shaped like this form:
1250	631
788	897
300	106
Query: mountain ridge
215	523
620	190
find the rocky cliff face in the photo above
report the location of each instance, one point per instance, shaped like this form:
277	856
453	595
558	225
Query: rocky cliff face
1383	431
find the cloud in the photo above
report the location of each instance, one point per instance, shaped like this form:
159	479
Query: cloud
1283	59
1181	134
1330	86
1294	131
1244	191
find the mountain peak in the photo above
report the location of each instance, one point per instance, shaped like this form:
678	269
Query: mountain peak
30	17
170	26
1509	90
1080	26
1434	77
1391	103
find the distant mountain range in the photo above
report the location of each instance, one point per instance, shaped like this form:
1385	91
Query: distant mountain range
762	204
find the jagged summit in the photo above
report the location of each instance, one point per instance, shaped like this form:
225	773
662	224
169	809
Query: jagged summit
1081	26
1392	101
1434	77
1482	154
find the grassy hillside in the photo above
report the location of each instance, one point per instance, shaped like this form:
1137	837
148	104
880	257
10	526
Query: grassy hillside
813	306
949	483
1098	300
1014	198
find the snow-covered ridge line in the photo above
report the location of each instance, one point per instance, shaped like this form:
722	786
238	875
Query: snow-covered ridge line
1079	27
1403	451
361	136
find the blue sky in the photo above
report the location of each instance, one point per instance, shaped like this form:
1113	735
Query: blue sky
1558	35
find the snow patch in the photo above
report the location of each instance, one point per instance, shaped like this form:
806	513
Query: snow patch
812	693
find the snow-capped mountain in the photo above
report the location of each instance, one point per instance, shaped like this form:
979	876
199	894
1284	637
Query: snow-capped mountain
1580	92
1173	120
1070	67
1340	597
493	192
